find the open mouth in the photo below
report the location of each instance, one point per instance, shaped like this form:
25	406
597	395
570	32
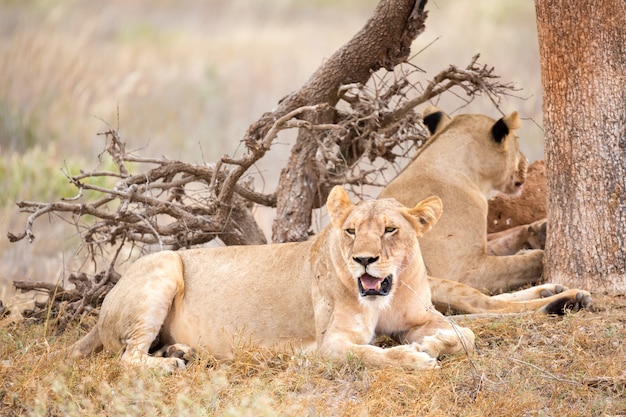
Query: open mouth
369	285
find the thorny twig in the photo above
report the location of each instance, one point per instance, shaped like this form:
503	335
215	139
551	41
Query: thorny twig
380	121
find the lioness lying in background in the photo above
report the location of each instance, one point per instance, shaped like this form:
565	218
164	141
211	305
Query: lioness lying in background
468	158
361	276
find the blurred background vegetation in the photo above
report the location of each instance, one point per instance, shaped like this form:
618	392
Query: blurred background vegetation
184	79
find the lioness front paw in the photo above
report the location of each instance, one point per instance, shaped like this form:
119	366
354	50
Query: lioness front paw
422	360
170	365
429	362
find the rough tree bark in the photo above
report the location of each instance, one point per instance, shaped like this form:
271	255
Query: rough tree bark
583	73
383	42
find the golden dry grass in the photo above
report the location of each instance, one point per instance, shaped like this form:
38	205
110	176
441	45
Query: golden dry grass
523	366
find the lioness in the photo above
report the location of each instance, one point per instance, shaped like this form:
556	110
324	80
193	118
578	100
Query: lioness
363	275
465	161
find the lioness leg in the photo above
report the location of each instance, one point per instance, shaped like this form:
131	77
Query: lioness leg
346	335
498	274
134	311
440	336
450	295
532	293
515	239
405	355
421	345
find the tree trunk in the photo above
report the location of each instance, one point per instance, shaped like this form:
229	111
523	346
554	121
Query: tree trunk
583	72
383	42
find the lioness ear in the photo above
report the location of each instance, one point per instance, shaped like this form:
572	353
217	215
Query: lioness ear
434	119
504	126
338	205
427	212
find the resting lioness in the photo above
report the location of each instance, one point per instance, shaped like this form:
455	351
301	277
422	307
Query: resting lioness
468	158
363	275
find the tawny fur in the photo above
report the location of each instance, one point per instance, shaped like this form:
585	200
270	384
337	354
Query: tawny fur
523	237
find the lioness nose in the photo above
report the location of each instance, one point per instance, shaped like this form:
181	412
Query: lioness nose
365	260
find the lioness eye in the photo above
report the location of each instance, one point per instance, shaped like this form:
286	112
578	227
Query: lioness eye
390	229
350	232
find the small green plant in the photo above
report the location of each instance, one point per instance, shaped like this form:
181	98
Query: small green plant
40	173
17	130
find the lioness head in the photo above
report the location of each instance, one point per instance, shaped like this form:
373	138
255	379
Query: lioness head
378	239
496	157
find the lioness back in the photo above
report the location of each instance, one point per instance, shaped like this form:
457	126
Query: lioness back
250	293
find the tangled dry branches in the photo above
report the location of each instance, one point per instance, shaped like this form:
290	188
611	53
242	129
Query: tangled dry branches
380	121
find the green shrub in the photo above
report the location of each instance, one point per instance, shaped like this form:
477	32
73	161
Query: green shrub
39	174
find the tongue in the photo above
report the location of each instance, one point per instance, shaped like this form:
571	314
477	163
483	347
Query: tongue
369	282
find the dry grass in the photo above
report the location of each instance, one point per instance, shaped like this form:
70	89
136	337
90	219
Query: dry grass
180	73
524	366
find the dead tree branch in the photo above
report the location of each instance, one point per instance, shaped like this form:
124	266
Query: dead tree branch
383	42
164	205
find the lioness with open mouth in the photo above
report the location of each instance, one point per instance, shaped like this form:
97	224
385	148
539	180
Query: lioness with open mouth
360	277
